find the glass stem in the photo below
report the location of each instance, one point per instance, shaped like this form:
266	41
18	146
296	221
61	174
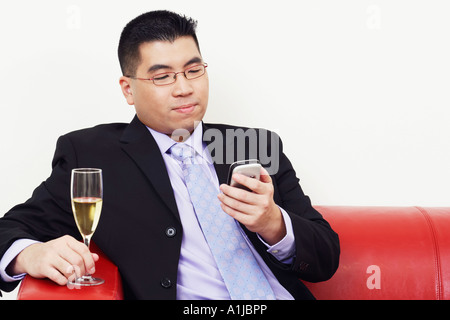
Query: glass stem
87	241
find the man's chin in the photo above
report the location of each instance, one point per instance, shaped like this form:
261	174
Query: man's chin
184	132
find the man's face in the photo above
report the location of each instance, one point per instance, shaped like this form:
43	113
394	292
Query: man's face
175	106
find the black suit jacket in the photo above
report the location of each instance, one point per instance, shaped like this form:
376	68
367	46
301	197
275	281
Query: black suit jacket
139	208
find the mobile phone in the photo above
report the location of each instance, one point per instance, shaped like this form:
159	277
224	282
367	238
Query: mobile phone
250	168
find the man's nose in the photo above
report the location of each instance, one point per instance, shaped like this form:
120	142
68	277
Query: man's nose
182	86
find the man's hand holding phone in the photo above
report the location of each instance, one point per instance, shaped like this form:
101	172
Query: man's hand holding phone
254	206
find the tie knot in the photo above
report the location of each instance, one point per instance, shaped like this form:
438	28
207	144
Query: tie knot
181	151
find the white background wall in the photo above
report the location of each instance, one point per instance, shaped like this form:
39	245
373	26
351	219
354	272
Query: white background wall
357	89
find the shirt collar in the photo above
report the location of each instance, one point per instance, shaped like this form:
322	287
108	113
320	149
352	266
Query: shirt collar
195	140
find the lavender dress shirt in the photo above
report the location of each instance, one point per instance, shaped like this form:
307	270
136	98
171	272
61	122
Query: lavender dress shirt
198	276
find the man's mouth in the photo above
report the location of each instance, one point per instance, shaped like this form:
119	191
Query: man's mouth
187	108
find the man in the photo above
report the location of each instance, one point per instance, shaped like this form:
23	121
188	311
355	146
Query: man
150	225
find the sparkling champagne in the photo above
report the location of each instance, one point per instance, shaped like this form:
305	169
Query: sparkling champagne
86	193
87	213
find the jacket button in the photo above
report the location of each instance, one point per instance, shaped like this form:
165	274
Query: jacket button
171	232
166	283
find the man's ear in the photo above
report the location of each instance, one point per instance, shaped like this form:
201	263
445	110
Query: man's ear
125	85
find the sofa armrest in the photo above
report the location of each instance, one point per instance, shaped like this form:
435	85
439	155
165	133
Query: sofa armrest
45	289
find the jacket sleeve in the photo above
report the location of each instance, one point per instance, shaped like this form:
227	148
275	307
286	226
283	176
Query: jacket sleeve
317	245
47	214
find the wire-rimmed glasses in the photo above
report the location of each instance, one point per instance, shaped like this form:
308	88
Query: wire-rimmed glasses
166	78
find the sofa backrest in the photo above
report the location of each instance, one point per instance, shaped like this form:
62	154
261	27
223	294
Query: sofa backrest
389	253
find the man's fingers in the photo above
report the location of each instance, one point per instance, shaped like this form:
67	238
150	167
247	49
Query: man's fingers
73	259
265	177
56	276
239	194
81	256
59	271
237	205
248	182
257	186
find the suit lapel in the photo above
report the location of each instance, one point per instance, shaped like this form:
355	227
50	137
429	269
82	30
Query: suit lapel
139	144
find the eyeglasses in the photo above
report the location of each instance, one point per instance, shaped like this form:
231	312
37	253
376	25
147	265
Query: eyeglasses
166	78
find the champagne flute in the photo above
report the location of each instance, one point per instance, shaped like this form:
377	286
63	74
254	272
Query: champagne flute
87	199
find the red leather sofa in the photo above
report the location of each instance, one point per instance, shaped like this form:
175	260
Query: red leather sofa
398	253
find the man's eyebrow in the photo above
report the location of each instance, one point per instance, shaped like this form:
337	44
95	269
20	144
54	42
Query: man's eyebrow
193	60
157	67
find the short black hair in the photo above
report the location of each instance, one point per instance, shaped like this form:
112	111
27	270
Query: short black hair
158	25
